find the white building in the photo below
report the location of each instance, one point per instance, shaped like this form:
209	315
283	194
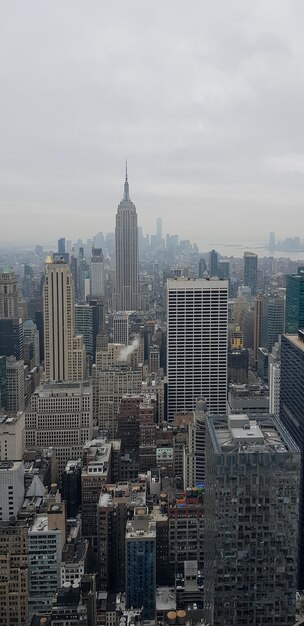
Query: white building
15	385
11	488
274	388
121	327
12	436
197	338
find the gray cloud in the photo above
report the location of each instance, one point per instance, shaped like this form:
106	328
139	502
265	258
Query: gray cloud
205	99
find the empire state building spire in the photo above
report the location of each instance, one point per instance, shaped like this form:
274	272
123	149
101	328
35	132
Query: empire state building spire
126	244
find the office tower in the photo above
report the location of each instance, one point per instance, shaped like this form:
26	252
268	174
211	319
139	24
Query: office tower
257	325
126	250
213	263
238	363
14	579
96	472
159	228
84	323
116	505
3	382
294	302
197	335
71	487
223	269
194	453
45	543
9	296
97	273
61	245
251	271
15	391
273	319
186	529
64	352
202	267
11	488
60	415
121	327
275	379
251	498
31	343
109	386
97	305
292	414
141	563
154	359
12	436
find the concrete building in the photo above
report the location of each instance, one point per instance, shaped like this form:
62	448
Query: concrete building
197	337
97	273
9	296
116	505
275	379
11	488
253	398
3	383
121	327
65	358
126	249
60	415
273	319
154	359
141	563
96	472
84	327
292	415
31	339
194	460
74	562
71	487
213	264
11	337
12	436
251	497
15	398
186	530
14	588
108	389
251	271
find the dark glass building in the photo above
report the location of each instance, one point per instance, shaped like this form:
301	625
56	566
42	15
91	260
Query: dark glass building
213	263
11	338
294	302
292	415
71	487
251	271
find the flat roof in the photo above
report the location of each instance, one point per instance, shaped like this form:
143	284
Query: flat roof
294	339
199	283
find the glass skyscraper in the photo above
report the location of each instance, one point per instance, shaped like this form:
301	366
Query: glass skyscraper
295	302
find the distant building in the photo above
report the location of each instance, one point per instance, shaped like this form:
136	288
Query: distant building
126	247
121	327
12	436
97	273
213	264
252	475
9	296
15	394
251	271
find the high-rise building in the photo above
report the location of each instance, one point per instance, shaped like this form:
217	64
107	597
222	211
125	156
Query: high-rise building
60	415
273	319
61	245
31	338
141	563
64	352
257	325
97	273
197	337
194	454
275	379
3	382
294	319
251	498
12	436
15	398
251	271
9	297
14	580
71	487
213	264
11	488
292	414
121	327
109	387
202	267
126	247
84	325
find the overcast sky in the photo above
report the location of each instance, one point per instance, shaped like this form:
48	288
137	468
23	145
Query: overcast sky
205	98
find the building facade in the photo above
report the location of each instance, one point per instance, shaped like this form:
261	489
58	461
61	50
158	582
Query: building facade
251	271
197	337
126	247
294	319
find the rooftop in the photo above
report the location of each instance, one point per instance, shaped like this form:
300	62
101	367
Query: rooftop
132	494
296	340
74	552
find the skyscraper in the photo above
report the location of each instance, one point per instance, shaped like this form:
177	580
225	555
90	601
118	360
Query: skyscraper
11	335
292	414
251	498
251	271
197	336
141	563
64	351
126	242
9	306
97	272
295	302
273	319
213	263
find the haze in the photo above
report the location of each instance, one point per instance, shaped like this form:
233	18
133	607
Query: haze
204	98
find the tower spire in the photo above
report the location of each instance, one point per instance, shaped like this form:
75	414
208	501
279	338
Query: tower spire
126	185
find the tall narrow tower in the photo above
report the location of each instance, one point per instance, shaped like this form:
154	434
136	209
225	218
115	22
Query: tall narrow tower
126	242
64	351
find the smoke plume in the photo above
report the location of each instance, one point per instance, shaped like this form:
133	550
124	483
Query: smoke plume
125	352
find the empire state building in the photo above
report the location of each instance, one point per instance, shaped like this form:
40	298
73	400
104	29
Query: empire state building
126	244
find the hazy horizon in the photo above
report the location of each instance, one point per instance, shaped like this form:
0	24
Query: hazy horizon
205	100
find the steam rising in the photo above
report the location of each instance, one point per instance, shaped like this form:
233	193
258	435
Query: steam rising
125	352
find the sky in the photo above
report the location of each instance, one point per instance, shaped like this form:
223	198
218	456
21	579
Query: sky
205	98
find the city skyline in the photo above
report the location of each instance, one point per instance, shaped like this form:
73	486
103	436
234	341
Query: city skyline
204	141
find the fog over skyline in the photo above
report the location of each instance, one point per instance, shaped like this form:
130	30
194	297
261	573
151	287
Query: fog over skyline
205	99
